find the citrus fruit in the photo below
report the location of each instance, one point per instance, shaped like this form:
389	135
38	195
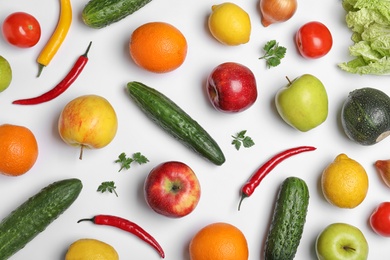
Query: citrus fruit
158	47
219	241
229	24
18	149
5	74
344	182
91	249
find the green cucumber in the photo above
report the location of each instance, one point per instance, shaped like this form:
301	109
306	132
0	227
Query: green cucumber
35	214
101	13
288	220
175	121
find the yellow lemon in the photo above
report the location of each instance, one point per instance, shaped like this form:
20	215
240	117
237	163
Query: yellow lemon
229	24
90	249
5	74
344	182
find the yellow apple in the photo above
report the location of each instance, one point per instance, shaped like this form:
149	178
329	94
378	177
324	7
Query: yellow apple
88	121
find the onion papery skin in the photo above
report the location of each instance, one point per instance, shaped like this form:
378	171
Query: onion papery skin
277	11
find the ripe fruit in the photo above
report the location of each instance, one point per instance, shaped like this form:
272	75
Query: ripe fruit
88	121
344	182
313	40
5	74
231	87
158	47
88	248
341	241
229	24
172	189
18	150
21	29
380	219
219	241
303	103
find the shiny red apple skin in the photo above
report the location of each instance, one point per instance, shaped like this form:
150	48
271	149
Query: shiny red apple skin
172	189
231	87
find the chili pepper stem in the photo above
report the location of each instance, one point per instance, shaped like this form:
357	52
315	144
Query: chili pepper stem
243	196
40	69
85	219
89	47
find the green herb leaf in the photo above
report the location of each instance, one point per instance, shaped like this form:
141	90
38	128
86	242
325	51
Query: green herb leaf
240	139
126	162
107	186
273	53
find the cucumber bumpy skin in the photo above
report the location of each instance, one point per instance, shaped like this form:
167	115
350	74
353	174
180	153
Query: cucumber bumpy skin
101	13
288	220
35	214
175	121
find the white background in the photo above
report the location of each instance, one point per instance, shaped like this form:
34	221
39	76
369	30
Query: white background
106	74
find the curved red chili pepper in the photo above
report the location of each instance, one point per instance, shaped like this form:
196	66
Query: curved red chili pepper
250	186
128	226
62	86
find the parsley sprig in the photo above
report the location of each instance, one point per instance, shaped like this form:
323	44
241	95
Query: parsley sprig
125	161
273	53
107	186
240	139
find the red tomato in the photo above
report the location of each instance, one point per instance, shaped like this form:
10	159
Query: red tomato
21	29
380	219
313	40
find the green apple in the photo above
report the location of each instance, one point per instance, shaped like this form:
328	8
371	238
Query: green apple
341	241
5	74
303	103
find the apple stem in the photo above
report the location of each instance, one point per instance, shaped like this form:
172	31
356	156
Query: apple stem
289	81
81	152
348	248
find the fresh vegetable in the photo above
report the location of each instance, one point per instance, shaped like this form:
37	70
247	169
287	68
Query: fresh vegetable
250	186
175	121
365	116
313	40
58	36
101	13
107	186
277	11
273	53
34	215
369	21
127	161
128	226
380	219
288	220
21	29
242	139
383	168
62	86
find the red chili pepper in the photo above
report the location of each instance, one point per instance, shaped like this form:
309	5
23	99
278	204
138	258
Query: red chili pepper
128	226
62	86
250	186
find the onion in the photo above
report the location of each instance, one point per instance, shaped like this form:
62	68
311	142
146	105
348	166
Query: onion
276	11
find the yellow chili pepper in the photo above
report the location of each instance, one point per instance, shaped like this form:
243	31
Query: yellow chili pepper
57	37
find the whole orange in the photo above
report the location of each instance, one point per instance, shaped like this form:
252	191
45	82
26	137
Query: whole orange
18	149
219	241
158	47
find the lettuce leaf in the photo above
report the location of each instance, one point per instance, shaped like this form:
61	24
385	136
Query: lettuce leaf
369	21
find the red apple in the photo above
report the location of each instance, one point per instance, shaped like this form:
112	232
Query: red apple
231	87
172	189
